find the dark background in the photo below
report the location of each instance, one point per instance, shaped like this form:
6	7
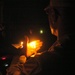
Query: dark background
19	18
24	15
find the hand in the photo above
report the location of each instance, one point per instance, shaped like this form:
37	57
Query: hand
22	59
33	47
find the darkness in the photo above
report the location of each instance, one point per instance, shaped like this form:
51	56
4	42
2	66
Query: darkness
22	16
19	17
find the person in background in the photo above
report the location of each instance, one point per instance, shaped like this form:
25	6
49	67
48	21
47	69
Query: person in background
59	59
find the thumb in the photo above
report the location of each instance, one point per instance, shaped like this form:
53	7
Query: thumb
27	39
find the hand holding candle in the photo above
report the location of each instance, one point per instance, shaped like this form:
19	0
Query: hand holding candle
33	47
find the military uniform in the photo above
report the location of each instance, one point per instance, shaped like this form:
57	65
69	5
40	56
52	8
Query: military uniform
58	60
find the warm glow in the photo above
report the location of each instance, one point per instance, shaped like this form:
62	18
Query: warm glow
21	45
54	31
33	47
33	44
22	59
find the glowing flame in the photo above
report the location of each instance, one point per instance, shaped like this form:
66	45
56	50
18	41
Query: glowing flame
33	47
33	44
21	44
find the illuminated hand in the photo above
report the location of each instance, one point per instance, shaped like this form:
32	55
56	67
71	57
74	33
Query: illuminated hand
33	47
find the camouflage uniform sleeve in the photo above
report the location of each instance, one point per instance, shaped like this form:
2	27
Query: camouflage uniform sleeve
15	69
32	66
